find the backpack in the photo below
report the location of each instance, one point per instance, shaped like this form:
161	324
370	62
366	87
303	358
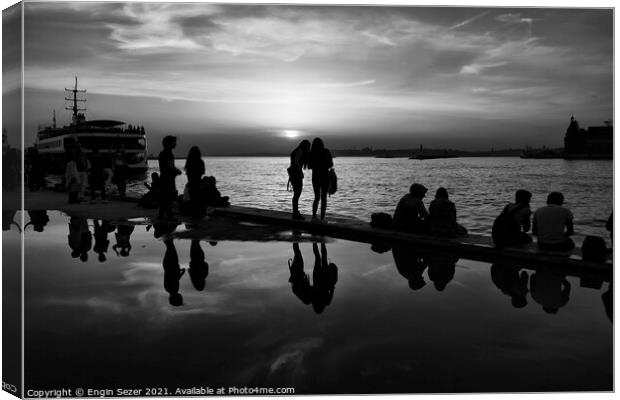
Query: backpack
594	249
333	182
381	220
506	229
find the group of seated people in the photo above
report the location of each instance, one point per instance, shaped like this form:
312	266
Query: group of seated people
210	196
552	224
440	219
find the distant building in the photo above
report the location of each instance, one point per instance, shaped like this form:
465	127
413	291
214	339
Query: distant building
597	142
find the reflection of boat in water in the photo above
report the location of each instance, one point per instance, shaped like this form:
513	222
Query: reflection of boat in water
108	136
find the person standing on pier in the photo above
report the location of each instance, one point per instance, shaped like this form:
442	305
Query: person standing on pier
299	162
168	174
320	163
194	169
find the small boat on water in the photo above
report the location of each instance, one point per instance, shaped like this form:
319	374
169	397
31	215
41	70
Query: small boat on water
544	153
108	136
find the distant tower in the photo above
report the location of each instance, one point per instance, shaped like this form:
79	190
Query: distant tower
54	120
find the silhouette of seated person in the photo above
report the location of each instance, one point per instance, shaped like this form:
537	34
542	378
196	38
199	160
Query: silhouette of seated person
123	236
553	224
198	267
442	215
550	290
172	274
151	198
521	212
411	265
441	269
8	219
324	278
101	238
300	283
608	302
511	283
411	215
210	195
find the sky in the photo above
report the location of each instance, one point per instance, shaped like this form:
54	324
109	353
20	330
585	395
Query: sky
258	78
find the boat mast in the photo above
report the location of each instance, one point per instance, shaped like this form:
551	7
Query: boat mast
75	100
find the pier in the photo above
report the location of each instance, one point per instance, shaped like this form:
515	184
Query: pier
474	247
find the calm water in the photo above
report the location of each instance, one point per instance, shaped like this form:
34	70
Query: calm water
110	324
480	187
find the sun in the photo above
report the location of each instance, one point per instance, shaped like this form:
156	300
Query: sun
290	133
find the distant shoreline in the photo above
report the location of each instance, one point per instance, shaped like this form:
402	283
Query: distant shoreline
384	153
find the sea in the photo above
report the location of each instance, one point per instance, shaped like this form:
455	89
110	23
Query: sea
479	186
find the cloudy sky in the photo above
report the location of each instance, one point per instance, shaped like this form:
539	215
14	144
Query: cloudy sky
262	77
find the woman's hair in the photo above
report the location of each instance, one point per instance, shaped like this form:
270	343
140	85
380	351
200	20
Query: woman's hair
305	146
441	193
193	157
316	152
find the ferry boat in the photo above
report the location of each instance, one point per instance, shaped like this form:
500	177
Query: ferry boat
108	136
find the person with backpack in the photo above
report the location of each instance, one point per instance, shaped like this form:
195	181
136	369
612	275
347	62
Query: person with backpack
553	224
511	226
299	162
320	162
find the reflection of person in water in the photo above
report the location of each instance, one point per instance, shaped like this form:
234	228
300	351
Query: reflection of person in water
38	219
198	267
608	302
101	238
172	273
441	268
8	219
410	264
80	239
324	278
550	290
300	283
511	283
123	234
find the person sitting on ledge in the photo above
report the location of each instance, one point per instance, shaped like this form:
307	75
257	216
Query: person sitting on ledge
443	216
553	224
411	215
521	213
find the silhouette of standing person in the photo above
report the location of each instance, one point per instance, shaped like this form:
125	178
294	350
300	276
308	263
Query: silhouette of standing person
168	173
96	180
300	283
324	278
80	238
198	267
172	274
194	169
101	238
299	162
320	161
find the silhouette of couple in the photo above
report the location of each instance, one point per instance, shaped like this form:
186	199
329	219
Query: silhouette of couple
324	278
320	161
198	267
411	264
